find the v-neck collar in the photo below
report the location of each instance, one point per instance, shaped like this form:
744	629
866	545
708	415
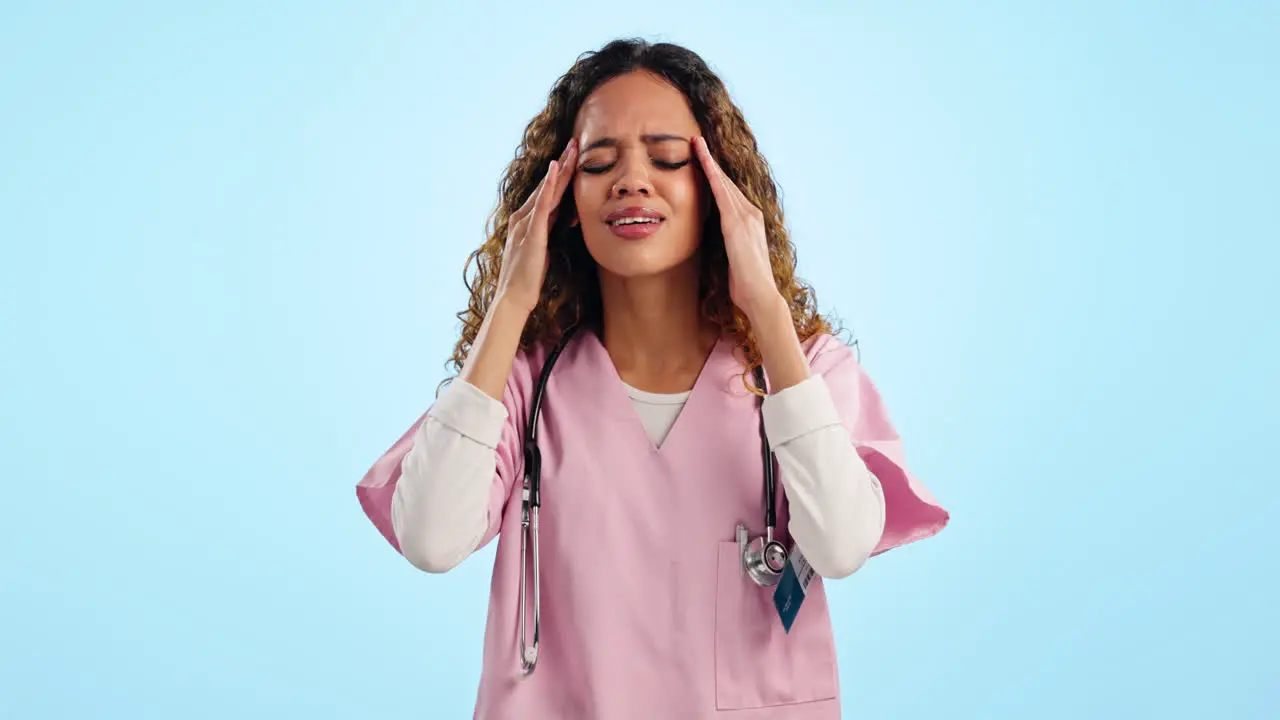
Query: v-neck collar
614	398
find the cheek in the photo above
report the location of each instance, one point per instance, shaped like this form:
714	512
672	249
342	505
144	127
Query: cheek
684	195
585	196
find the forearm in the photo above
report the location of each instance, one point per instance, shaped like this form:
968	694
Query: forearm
440	506
488	364
784	359
836	503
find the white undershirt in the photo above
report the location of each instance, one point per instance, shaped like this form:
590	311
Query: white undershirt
657	411
836	505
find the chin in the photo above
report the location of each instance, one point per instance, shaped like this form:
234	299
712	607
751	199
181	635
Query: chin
634	262
651	256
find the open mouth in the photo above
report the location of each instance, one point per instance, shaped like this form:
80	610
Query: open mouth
635	225
621	222
635	222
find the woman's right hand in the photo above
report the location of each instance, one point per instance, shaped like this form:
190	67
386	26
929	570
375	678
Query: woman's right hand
524	260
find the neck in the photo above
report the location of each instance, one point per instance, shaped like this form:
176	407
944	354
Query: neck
653	329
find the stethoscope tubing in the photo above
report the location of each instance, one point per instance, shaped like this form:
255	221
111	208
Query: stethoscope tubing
531	503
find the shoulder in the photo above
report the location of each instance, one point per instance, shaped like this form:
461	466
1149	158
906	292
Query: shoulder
826	353
529	364
836	362
529	361
524	375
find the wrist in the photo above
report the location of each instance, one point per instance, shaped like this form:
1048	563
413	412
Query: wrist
768	310
507	319
488	364
511	307
780	349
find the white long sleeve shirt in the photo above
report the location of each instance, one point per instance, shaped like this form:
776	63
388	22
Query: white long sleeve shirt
836	505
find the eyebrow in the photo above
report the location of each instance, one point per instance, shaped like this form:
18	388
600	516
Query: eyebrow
646	139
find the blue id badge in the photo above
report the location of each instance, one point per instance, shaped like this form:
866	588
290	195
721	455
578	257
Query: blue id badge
792	588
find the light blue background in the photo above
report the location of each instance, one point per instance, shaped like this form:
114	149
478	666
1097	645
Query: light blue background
233	240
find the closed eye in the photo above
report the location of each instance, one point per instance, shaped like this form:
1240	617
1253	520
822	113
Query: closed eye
663	164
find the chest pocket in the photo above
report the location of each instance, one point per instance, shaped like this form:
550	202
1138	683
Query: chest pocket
757	663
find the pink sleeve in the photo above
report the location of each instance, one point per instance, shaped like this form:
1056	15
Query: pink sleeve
376	488
911	512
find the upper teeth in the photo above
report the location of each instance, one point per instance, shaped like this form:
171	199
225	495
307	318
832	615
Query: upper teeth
634	220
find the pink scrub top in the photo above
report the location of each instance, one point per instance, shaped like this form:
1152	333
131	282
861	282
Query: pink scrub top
645	611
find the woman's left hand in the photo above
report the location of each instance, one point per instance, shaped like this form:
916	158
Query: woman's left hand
751	284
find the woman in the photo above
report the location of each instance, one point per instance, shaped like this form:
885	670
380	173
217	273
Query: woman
639	209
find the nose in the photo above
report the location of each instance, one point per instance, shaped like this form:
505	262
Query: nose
633	179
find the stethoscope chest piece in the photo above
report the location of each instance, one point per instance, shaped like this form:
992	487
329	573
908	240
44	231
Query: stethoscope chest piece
763	559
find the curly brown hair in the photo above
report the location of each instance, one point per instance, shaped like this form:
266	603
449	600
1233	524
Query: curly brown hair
571	292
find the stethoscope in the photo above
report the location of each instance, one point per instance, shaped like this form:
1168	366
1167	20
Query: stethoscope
763	559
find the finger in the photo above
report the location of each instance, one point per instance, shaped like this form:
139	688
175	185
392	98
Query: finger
721	187
570	148
741	202
565	168
564	176
530	202
541	206
710	169
731	188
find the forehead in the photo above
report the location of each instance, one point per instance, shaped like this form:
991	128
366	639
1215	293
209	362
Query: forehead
634	104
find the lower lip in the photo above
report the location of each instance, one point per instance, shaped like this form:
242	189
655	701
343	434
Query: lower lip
636	231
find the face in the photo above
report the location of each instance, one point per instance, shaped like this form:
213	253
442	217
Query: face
638	188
